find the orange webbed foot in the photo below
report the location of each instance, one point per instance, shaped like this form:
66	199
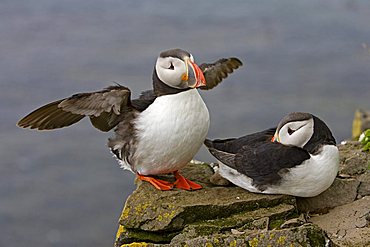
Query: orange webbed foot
157	183
184	183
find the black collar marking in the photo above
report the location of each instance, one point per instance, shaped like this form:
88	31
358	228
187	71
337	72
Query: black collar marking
160	88
321	136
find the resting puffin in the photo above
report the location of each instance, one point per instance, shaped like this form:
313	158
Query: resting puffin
158	133
298	158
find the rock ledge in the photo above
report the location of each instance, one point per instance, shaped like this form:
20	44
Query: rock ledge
231	216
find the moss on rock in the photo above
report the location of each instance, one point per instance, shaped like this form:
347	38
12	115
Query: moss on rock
306	235
230	216
156	216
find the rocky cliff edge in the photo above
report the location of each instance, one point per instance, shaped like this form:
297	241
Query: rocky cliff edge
230	216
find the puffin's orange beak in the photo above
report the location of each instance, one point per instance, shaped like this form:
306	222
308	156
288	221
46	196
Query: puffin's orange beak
196	74
275	138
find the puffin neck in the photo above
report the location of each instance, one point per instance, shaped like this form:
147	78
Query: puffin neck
160	88
321	136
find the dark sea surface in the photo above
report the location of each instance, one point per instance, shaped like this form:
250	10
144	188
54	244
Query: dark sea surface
63	188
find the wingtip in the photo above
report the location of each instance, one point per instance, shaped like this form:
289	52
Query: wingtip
21	124
18	124
237	61
26	123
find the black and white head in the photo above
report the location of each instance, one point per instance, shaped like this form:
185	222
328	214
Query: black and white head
176	68
303	130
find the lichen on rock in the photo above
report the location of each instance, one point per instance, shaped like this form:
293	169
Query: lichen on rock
227	215
174	217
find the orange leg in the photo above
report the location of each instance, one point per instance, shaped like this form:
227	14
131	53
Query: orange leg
184	183
157	183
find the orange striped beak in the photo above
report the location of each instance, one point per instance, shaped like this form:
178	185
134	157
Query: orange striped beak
275	138
195	75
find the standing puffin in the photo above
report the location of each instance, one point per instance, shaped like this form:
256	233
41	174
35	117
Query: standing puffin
297	158
158	133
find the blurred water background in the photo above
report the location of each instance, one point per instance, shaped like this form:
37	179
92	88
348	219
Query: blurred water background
63	188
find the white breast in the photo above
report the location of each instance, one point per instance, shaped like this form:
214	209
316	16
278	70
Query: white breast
170	132
312	177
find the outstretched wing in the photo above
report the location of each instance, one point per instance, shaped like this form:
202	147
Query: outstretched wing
102	107
214	73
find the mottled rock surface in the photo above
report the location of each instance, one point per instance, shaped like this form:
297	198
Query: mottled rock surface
215	215
225	215
353	161
364	188
306	235
347	225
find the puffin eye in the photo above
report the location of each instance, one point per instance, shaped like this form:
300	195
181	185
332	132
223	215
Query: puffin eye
290	131
171	66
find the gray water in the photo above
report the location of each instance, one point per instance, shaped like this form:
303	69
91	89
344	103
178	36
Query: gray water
63	188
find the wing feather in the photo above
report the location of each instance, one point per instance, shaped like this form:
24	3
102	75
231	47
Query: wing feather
264	162
257	157
102	107
93	104
225	157
214	73
49	117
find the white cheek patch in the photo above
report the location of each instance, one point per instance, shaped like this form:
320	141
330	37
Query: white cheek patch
171	77
303	131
